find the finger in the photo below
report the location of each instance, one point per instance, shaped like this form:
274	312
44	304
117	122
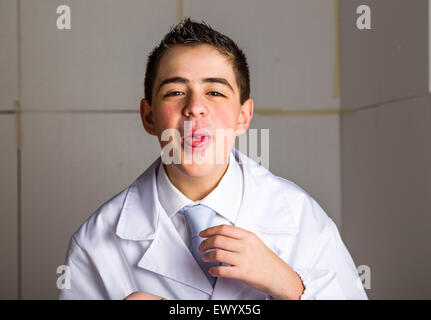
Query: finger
140	295
225	230
225	272
222	256
221	242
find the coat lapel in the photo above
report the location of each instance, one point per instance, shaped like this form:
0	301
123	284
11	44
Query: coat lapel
169	257
143	218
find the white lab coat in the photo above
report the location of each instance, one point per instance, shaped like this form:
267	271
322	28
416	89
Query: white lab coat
130	244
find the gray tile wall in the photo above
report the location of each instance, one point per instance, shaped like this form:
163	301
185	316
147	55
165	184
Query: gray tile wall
9	245
388	62
386	147
8	209
8	54
99	64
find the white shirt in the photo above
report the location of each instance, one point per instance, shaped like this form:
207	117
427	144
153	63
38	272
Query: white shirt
225	199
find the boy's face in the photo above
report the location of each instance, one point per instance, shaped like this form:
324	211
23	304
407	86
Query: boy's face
197	84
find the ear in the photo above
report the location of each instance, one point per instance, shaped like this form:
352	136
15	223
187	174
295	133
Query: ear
147	117
245	116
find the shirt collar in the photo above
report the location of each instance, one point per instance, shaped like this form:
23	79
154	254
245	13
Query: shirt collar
225	198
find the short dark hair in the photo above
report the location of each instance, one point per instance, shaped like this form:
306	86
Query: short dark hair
192	33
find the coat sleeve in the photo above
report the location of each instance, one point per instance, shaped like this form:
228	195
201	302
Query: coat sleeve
332	273
85	281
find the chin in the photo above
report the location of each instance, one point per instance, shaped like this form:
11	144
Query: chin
196	170
198	164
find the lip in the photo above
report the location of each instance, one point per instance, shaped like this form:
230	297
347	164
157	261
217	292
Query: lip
200	143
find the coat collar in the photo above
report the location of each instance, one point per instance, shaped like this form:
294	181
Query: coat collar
140	211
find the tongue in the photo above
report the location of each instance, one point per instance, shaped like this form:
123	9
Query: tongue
197	141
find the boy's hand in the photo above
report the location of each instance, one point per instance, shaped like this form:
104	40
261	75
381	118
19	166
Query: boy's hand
140	295
250	261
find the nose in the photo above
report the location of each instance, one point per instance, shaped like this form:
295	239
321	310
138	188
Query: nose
195	107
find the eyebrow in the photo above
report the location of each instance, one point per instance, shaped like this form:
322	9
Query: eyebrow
205	80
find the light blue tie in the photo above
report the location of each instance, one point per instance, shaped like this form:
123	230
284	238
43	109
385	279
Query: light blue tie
199	218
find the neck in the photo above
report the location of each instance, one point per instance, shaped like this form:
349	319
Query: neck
195	188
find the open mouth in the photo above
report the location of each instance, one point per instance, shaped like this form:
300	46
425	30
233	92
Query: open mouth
196	140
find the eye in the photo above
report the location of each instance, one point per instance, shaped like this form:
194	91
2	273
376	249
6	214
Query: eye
216	94
173	93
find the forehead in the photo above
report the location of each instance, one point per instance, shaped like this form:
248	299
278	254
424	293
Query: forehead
194	63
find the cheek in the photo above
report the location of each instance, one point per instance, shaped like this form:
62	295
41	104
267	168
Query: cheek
167	128
226	120
166	120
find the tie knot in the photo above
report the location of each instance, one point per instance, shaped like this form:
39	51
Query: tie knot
198	217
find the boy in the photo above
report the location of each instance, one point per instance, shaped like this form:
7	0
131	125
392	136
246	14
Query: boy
203	222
